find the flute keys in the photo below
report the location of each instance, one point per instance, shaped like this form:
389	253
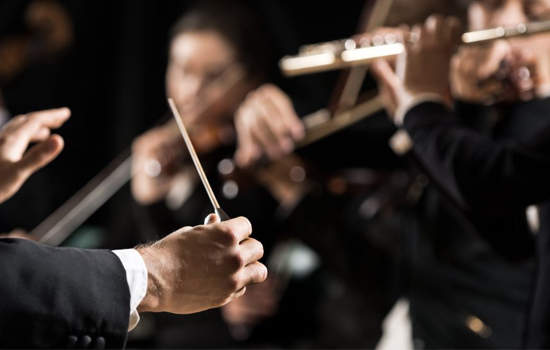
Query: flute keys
390	39
350	44
378	40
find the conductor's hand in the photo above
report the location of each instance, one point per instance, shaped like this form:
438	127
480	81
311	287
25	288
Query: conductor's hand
203	267
267	125
17	161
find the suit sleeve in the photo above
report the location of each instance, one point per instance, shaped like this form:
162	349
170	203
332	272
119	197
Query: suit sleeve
479	174
61	297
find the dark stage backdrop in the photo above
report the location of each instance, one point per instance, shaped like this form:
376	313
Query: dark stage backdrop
112	78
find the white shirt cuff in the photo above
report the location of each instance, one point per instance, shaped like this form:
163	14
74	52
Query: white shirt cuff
413	101
136	275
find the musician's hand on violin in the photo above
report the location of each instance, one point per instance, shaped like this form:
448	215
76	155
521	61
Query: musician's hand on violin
474	71
424	67
267	125
17	161
156	159
202	267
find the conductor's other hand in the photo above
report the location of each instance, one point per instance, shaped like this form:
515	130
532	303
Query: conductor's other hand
267	126
17	161
202	267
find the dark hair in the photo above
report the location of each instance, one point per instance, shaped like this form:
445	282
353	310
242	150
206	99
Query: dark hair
237	24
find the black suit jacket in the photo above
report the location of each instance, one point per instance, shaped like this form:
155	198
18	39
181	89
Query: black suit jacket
61	297
488	179
477	172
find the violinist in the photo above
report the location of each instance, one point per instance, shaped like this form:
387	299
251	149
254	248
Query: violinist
481	175
206	49
78	298
217	55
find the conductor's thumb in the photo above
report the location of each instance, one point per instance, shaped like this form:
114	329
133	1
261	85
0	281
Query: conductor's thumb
212	219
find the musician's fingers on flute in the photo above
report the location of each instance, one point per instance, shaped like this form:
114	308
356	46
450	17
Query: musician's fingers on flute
388	85
472	69
385	75
496	53
434	27
444	31
416	36
452	31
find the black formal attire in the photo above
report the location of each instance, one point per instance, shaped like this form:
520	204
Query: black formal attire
494	181
61	297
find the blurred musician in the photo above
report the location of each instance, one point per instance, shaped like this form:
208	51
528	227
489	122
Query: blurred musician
472	171
217	55
77	298
481	176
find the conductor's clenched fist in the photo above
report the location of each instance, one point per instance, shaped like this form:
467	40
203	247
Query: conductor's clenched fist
203	267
